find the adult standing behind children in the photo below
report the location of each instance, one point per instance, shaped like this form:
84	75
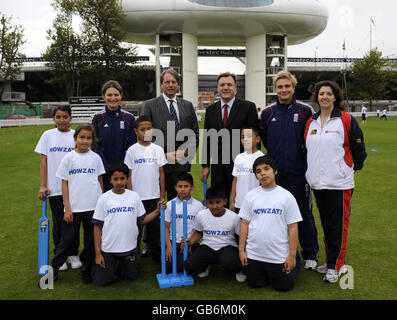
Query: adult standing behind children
335	150
180	112
282	128
146	161
229	113
114	128
53	145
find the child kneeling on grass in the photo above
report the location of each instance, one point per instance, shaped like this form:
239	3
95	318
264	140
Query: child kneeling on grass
115	219
217	226
269	231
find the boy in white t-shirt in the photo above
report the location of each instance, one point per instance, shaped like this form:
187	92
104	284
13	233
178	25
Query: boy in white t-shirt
269	231
183	186
116	218
53	145
244	178
145	161
217	227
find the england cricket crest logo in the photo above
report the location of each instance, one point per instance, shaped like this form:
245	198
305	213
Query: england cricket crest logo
43	226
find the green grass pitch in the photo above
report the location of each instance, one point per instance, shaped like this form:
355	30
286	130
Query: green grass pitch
371	245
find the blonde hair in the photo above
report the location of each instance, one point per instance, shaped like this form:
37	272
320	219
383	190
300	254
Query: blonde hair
285	75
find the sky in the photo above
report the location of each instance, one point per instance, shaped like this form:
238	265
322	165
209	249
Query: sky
349	21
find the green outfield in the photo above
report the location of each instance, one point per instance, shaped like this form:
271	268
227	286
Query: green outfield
371	246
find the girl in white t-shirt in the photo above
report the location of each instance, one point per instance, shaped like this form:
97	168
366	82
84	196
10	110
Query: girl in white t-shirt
82	185
53	145
269	231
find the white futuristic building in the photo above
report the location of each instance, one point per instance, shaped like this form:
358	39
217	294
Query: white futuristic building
264	27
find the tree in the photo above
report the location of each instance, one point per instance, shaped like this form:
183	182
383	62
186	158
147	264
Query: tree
11	41
65	55
370	78
104	53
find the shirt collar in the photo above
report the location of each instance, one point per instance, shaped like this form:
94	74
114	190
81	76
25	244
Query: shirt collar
179	201
168	99
229	104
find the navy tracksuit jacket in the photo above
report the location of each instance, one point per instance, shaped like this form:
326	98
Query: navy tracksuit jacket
115	133
282	130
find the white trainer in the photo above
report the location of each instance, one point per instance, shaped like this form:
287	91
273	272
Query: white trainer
241	277
310	264
64	267
204	273
322	269
333	275
75	262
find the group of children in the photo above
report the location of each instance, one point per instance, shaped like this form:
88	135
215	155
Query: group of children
256	238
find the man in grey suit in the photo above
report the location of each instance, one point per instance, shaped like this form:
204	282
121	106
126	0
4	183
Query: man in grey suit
166	113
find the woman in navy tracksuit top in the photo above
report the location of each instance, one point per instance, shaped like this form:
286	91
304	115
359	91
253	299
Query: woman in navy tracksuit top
114	129
335	150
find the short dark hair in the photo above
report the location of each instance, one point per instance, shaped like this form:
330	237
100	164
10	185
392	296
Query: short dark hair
266	159
225	75
120	167
184	176
336	89
87	127
215	193
141	119
66	109
254	129
172	72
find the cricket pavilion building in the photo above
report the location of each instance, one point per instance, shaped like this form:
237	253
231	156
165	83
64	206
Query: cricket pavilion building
264	27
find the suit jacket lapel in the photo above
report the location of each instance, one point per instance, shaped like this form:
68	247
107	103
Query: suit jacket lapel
233	112
163	109
218	114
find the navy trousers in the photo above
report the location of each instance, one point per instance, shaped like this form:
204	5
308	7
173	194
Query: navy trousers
300	189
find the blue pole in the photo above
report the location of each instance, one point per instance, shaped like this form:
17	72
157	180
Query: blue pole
185	249
162	234
174	256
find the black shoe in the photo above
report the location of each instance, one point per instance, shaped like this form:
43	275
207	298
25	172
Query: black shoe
146	252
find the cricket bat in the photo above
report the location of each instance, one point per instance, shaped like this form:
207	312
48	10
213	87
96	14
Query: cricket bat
204	189
44	239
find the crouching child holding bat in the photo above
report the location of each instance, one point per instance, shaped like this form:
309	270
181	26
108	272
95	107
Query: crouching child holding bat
115	220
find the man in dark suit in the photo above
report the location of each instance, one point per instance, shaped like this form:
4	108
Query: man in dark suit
178	113
230	113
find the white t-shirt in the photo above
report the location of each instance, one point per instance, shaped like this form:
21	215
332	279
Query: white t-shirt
269	211
246	179
145	163
55	145
218	232
82	170
119	213
193	207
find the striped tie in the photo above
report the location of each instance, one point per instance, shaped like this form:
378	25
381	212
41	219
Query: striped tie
173	115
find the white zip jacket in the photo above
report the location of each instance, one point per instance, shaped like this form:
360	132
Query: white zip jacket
334	152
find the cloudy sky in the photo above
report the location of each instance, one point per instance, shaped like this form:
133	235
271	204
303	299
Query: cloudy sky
349	20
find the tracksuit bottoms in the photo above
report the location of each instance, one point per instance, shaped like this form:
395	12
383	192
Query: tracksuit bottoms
334	209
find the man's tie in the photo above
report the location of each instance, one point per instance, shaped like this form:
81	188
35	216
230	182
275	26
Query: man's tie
225	115
173	115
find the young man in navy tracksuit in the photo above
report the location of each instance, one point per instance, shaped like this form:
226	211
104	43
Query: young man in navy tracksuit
114	129
282	126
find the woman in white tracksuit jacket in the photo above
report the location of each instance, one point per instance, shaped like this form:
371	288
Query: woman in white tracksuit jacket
335	150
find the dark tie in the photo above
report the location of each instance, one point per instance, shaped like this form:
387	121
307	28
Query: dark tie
173	115
225	115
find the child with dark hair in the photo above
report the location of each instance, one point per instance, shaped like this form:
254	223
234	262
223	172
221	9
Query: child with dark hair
81	172
53	145
116	218
146	161
269	231
216	226
183	186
